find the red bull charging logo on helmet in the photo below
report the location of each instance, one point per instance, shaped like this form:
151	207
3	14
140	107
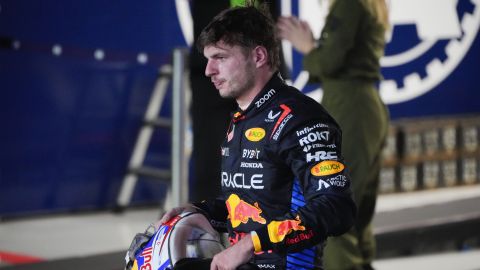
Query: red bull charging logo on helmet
277	230
240	211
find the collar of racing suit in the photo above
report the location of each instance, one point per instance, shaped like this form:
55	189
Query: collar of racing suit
264	97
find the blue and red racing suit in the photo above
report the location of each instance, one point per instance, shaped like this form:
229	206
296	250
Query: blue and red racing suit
283	180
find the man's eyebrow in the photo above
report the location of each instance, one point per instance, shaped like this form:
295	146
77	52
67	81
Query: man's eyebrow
218	54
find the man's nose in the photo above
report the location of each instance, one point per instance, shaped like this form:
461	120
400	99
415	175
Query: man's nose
210	69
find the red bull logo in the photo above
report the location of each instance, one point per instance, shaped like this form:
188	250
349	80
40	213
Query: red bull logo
240	211
277	230
147	259
255	134
299	238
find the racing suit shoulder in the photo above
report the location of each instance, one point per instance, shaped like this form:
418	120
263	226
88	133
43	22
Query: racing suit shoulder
297	111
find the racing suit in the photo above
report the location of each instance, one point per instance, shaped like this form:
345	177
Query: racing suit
283	180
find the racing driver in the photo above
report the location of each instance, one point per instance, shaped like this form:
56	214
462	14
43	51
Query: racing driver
284	186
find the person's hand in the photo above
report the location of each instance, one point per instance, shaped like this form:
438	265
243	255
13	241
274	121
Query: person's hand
296	31
174	212
234	256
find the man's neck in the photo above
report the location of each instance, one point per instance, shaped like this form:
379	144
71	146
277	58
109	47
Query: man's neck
260	82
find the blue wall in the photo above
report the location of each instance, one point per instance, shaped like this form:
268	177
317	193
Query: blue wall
458	92
69	121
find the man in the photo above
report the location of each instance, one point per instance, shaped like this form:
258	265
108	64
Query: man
285	188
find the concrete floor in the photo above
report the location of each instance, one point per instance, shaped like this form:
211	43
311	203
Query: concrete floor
103	237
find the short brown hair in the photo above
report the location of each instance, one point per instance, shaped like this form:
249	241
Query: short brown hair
247	27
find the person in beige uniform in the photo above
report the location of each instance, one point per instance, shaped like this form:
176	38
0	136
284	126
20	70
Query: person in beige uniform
346	61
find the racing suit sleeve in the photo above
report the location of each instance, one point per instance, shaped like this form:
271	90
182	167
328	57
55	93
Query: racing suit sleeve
329	209
215	211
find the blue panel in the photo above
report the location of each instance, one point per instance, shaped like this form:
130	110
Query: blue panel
69	122
304	259
68	128
121	25
456	95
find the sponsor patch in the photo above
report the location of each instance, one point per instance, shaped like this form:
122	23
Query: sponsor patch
314	137
299	238
281	126
238	180
250	153
251	165
281	122
266	266
321	155
277	230
265	97
328	167
255	134
309	147
240	211
307	130
225	151
322	185
272	116
338	181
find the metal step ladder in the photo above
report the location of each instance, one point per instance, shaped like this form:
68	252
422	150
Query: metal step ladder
177	175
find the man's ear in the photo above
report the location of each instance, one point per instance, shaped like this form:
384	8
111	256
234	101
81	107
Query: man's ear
260	56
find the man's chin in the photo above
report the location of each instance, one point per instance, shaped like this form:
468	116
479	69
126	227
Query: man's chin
224	94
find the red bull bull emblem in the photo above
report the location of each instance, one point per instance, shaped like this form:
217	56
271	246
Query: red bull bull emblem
240	211
277	230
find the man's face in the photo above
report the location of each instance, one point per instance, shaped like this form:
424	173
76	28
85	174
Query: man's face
231	70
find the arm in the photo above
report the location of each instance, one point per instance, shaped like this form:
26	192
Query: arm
328	208
327	55
296	31
216	212
337	38
234	256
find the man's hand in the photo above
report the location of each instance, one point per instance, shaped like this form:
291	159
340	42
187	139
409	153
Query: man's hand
296	31
234	256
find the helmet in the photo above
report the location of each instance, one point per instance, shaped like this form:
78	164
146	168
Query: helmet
187	235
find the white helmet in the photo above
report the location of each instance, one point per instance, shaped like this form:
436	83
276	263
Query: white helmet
188	235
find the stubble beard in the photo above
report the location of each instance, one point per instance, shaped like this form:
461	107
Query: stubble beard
240	86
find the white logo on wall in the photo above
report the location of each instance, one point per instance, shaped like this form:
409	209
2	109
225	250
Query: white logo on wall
185	18
435	21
